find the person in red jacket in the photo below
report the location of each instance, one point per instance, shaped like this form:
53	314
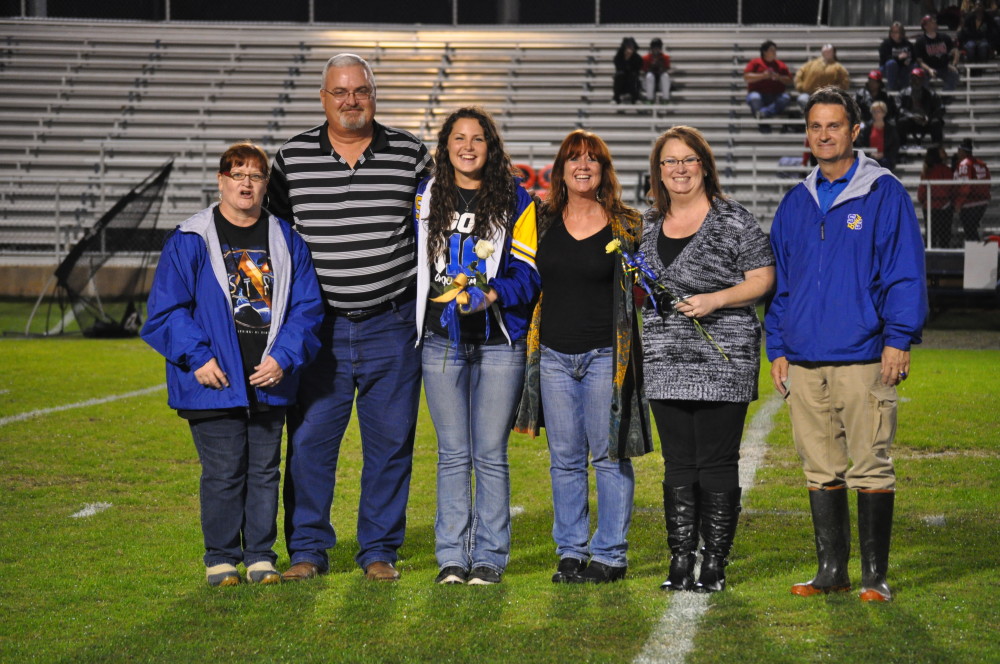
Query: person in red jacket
971	200
937	211
767	78
656	72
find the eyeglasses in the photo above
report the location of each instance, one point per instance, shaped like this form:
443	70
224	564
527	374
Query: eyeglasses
672	163
254	177
361	94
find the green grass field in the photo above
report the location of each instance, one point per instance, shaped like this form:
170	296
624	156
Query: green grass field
127	584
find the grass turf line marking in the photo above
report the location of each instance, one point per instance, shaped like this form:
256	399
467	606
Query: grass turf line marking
90	509
673	637
80	404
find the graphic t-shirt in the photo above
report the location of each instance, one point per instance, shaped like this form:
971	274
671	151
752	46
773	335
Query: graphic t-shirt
460	258
248	270
936	50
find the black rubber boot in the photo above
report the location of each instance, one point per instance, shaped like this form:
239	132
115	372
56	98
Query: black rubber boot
719	512
680	508
832	527
874	532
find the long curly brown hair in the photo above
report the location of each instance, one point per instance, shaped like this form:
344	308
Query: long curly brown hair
497	193
609	193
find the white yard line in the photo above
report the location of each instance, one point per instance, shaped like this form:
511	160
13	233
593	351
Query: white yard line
80	404
673	638
90	509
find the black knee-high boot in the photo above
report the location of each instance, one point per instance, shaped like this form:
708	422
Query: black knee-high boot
832	529
718	512
874	532
680	509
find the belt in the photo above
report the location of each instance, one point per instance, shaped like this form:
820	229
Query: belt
358	315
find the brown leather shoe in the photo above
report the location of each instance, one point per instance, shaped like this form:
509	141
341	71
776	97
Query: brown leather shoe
301	571
381	571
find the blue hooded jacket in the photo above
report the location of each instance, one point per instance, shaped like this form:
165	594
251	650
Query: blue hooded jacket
851	281
190	315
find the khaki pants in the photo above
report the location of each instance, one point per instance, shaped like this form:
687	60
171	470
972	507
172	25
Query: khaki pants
841	414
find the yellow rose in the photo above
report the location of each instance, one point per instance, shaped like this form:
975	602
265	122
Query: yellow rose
613	246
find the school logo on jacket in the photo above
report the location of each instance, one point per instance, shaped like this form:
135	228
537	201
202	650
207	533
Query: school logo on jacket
854	222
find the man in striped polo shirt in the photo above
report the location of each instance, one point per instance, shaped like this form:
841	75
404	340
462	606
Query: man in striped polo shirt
348	185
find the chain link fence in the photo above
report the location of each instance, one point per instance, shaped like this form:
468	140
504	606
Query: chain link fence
953	212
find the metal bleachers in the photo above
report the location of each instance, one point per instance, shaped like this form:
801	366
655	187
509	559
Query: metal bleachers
91	108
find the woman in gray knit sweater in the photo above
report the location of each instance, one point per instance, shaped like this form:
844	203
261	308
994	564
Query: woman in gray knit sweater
710	253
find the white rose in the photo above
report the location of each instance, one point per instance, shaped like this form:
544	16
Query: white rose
484	249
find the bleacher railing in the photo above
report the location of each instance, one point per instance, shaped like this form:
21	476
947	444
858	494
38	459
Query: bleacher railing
945	225
445	12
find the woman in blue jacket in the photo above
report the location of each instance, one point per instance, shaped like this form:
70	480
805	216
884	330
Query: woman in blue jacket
234	308
476	281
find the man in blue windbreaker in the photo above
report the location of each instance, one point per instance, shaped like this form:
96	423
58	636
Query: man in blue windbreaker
851	298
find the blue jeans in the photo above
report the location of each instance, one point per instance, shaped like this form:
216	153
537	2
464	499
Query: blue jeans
977	50
376	360
897	75
949	78
240	472
576	399
768	105
472	392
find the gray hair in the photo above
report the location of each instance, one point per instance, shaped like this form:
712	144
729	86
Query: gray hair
349	60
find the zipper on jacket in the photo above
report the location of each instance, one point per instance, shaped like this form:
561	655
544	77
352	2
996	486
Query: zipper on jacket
822	228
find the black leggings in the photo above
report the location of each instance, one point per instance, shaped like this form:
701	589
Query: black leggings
700	441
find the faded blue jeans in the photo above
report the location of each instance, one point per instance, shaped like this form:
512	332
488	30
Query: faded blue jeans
472	391
576	400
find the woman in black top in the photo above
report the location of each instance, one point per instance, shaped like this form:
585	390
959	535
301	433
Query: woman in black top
584	360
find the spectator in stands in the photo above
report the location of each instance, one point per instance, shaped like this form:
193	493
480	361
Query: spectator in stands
921	111
838	366
628	66
820	72
881	135
711	252
874	91
979	36
233	363
656	72
767	78
895	57
584	361
937	211
349	184
971	200
473	350
936	53
949	17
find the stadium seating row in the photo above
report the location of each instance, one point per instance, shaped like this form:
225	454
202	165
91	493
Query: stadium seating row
96	106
